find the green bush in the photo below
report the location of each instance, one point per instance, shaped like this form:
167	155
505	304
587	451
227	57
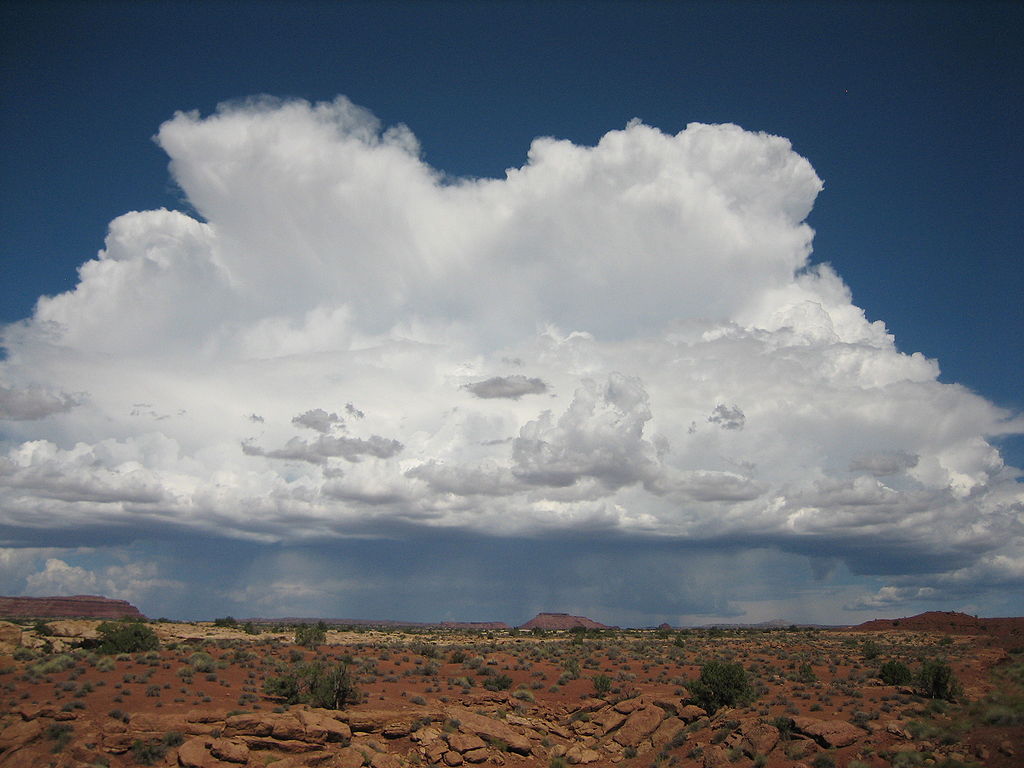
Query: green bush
126	637
895	673
311	635
602	684
316	683
721	684
936	680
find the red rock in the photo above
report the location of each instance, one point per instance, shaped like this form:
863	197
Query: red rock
452	758
577	754
628	706
463	742
349	757
828	733
691	712
758	738
639	725
609	720
20	734
385	760
475	756
78	606
320	727
667	731
489	729
229	751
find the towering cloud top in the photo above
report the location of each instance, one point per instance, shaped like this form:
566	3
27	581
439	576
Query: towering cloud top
626	338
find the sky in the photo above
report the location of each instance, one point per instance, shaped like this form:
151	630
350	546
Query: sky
649	312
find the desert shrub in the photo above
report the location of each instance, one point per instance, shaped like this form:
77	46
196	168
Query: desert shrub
805	674
498	683
316	683
201	661
936	680
60	733
823	760
148	754
895	673
721	684
54	664
311	635
602	684
126	637
227	621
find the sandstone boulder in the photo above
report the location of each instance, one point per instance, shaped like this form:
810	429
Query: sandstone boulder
609	720
639	725
628	706
690	713
758	738
577	754
229	751
385	760
828	733
464	742
320	726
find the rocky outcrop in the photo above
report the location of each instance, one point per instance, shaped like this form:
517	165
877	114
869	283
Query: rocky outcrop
78	606
549	621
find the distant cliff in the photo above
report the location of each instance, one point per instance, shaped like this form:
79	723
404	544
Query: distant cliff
77	606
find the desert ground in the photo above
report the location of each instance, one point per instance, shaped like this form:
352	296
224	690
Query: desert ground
212	696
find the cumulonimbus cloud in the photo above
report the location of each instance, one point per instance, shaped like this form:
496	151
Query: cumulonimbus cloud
701	379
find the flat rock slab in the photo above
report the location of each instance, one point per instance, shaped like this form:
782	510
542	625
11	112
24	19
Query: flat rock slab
828	733
489	729
639	725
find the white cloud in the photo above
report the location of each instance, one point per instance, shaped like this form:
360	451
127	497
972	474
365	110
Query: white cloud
687	374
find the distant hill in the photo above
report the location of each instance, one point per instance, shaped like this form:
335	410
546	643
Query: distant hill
1006	632
561	621
74	607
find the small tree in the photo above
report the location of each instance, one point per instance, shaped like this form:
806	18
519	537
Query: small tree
894	673
721	684
126	637
602	684
936	680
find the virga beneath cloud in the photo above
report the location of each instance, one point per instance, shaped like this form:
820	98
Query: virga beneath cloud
626	339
